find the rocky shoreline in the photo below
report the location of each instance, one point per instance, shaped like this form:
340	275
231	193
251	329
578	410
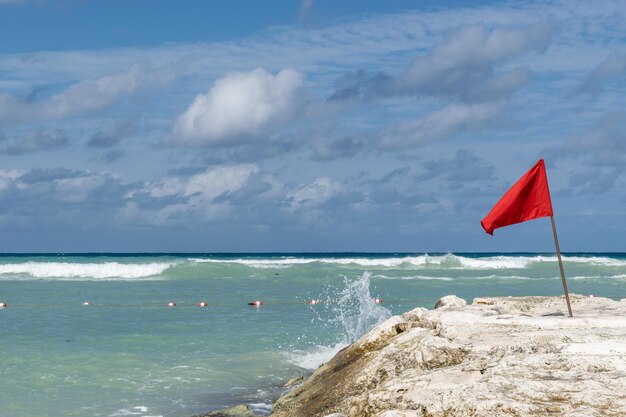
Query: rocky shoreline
509	356
505	356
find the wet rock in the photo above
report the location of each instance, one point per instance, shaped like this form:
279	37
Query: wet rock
294	381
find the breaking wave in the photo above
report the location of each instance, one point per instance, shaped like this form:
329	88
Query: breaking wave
619	277
82	271
449	261
481	277
413	277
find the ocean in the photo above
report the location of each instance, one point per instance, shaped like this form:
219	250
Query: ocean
93	335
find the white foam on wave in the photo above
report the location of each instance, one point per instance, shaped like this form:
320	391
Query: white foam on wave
520	262
598	277
449	261
316	356
258	263
503	277
593	260
292	261
506	277
494	262
461	278
81	271
414	277
135	411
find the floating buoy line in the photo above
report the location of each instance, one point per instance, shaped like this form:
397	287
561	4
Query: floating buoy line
171	304
254	303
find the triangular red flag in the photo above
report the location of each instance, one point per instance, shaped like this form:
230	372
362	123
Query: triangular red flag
527	199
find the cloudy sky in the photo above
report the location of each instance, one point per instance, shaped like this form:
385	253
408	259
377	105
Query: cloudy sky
308	126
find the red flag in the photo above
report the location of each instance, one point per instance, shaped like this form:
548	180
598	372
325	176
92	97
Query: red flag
527	199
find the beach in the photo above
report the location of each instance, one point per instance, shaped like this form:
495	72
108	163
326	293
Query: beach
127	353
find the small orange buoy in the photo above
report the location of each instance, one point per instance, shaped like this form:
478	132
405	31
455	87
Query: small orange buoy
378	300
203	304
171	304
313	302
3	305
256	303
87	303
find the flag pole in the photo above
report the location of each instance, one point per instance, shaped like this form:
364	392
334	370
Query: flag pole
558	254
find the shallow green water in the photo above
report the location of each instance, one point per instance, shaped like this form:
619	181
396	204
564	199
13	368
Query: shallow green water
128	354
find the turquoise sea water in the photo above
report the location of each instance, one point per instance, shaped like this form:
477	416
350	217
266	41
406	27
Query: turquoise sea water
129	354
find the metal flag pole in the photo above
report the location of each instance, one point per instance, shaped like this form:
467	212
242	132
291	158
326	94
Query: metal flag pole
558	254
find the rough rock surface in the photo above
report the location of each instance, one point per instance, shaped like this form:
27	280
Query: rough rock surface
450	301
497	357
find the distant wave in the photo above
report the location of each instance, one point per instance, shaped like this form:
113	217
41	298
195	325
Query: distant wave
259	263
434	278
421	260
598	277
413	277
449	261
83	271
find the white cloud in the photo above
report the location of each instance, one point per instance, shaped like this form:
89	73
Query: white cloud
8	177
242	104
312	195
602	145
374	39
193	197
206	185
464	64
83	97
217	181
79	189
453	119
613	67
40	140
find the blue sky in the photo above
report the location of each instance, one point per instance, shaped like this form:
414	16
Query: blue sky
307	126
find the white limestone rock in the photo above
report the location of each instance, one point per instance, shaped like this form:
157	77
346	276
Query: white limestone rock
397	413
450	301
519	357
381	333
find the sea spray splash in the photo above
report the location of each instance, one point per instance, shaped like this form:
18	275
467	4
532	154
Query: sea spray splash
356	310
352	313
